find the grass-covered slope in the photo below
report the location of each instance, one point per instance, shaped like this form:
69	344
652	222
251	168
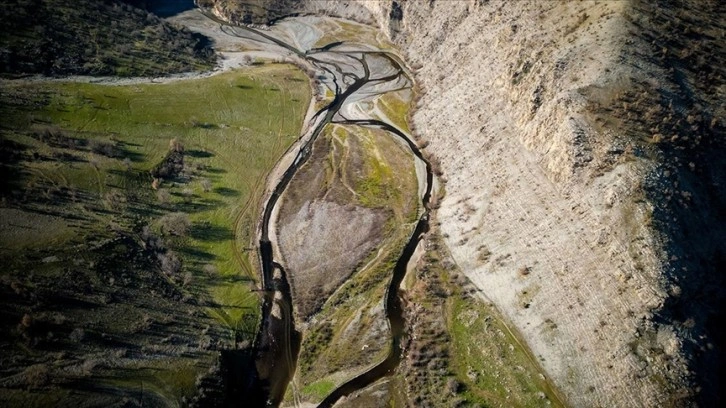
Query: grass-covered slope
109	37
125	217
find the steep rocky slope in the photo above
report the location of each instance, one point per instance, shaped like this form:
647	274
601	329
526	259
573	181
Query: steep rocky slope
582	143
573	199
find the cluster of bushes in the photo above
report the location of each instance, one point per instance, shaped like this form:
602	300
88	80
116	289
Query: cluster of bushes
173	163
314	343
62	37
429	378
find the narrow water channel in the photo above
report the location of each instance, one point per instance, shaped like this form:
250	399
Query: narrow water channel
353	73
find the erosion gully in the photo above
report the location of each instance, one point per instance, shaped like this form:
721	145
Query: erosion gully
354	72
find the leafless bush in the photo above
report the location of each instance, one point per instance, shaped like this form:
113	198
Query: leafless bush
151	241
77	335
163	196
524	271
57	137
170	263
103	147
435	165
89	365
175	145
210	270
187	278
93	161
187	193
36	376
26	322
484	253
176	223
114	200
453	385
206	185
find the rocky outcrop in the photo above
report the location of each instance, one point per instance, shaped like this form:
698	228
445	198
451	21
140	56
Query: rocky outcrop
542	209
582	143
572	200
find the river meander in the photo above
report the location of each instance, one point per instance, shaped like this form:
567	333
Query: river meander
355	71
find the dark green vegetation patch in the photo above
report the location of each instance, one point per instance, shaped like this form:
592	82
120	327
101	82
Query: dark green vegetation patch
94	37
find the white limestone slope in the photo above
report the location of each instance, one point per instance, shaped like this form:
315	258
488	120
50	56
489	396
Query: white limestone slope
544	208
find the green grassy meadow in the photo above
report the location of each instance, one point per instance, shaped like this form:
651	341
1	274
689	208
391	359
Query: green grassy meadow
108	252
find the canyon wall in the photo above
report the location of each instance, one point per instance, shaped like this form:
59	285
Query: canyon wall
582	151
583	147
544	209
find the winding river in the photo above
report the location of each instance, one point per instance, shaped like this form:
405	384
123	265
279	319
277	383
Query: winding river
353	72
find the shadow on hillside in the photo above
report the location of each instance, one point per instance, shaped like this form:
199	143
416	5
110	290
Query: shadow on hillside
168	8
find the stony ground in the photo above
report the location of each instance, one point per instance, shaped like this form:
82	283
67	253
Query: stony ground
577	138
581	145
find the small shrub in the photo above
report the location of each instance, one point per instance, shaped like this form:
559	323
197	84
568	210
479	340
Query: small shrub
103	147
176	223
127	164
170	263
206	185
210	270
163	196
36	376
187	279
77	335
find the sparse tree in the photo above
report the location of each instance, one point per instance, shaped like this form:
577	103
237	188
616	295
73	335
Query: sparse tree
175	145
102	147
163	196
37	375
206	185
210	270
176	223
127	164
187	278
187	193
170	263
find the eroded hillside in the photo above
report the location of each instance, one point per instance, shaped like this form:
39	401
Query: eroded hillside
582	145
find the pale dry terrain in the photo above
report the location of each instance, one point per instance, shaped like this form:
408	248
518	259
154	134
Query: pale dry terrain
546	209
580	145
